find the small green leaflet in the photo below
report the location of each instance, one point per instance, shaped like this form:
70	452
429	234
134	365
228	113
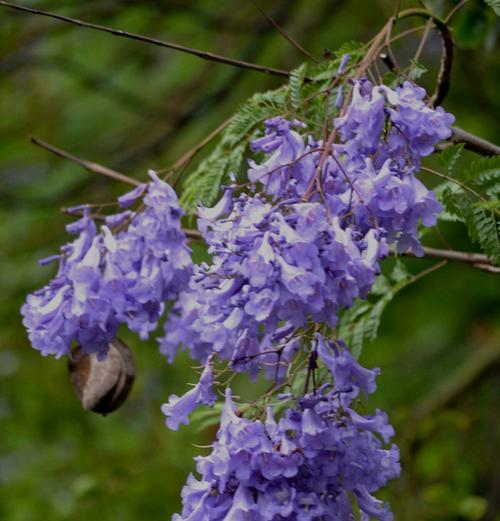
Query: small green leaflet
206	417
416	70
449	157
297	77
477	209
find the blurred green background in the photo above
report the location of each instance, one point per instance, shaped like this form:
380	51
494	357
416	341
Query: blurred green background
132	106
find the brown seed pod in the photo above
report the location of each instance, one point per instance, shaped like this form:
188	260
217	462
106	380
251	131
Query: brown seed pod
102	385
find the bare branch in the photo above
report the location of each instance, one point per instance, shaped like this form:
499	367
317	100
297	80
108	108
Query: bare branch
193	234
96	168
443	79
454	10
476	260
187	156
283	33
474	143
154	41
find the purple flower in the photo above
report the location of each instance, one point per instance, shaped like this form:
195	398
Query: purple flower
131	197
178	409
343	62
347	373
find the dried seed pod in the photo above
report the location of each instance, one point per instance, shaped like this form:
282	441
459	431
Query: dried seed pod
102	385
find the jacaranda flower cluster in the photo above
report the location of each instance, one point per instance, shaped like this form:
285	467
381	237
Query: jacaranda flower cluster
292	254
106	279
308	465
295	242
285	260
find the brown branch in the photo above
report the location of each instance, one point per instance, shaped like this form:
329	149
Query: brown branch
476	260
454	10
193	234
188	155
147	39
96	168
443	79
283	33
474	143
444	75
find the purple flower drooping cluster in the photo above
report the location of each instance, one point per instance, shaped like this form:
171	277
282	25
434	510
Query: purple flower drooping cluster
284	261
271	263
310	243
368	179
308	465
106	279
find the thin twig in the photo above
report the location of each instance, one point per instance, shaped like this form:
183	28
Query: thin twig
96	168
154	41
283	33
423	40
454	10
428	271
477	260
388	38
452	180
194	150
443	79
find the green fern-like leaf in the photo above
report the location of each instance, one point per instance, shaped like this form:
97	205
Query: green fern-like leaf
253	112
484	175
235	160
453	200
203	185
484	229
354	48
477	209
495	5
297	77
449	157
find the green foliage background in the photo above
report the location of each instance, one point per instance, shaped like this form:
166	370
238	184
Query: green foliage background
132	106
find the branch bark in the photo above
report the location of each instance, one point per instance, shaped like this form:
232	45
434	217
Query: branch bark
96	168
476	260
147	39
283	33
474	143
